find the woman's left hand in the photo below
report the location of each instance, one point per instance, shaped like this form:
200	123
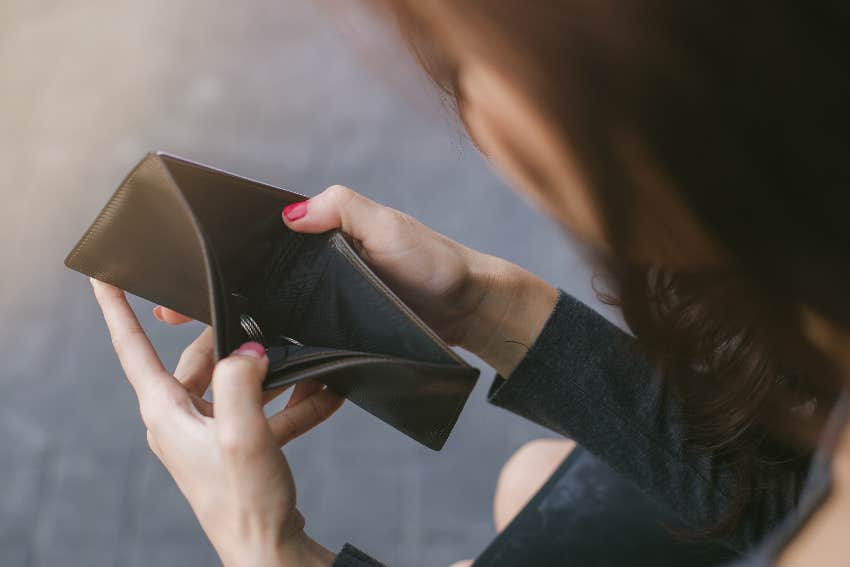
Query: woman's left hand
224	456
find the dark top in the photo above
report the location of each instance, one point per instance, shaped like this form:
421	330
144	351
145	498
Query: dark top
586	379
815	492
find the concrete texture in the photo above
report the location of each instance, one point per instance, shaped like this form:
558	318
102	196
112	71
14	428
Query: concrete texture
280	91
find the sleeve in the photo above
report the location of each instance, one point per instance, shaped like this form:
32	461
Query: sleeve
586	379
350	556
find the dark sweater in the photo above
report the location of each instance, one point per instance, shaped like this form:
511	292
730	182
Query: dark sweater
585	378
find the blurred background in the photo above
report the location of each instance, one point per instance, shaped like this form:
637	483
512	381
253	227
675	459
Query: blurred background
282	91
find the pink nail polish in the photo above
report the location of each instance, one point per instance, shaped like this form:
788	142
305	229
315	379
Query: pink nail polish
251	349
157	312
295	211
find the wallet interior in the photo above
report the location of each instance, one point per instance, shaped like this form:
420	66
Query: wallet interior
307	289
311	302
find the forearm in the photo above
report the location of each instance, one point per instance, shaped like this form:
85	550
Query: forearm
514	306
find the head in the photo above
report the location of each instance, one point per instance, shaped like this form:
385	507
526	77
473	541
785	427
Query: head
700	149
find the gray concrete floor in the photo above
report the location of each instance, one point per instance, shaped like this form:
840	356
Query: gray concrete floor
279	91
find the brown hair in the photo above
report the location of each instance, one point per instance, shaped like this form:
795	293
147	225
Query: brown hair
741	107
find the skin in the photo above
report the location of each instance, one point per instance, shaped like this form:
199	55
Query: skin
226	458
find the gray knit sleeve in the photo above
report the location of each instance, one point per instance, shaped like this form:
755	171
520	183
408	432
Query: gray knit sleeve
586	379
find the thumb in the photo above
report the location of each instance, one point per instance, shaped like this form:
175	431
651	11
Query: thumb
335	207
238	398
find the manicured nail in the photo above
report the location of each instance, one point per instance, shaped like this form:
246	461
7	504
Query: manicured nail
295	211
157	312
251	349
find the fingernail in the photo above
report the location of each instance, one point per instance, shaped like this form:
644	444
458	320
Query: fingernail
295	211
157	312
251	349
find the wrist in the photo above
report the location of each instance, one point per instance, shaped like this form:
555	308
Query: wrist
304	550
513	308
298	549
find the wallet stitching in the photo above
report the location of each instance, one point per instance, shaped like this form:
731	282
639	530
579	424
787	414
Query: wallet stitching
107	214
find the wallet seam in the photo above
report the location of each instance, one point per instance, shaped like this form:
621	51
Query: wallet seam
97	226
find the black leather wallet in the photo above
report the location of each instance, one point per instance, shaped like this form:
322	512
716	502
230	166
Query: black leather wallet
212	245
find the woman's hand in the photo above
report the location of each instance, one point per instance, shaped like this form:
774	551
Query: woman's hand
224	456
481	303
484	304
443	282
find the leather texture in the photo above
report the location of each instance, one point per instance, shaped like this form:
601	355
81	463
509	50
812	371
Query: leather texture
212	245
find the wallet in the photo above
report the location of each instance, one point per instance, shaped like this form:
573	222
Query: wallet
212	245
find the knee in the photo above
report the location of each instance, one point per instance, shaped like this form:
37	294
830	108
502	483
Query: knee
524	474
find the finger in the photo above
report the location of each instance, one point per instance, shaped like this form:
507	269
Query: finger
270	395
152	444
291	422
302	391
170	316
336	207
138	358
238	398
194	369
204	407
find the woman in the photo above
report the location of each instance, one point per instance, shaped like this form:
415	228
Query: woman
698	155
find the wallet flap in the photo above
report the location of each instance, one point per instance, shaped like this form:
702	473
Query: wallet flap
421	400
240	219
147	241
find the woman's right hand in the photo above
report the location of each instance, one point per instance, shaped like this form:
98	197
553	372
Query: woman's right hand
481	303
464	295
443	282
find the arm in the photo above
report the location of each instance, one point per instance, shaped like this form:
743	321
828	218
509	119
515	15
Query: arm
583	377
587	379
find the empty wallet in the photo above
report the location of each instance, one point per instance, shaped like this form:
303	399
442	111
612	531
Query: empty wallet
212	245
